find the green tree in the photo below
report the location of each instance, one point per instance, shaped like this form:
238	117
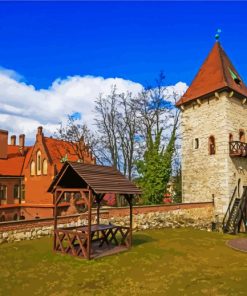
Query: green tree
156	167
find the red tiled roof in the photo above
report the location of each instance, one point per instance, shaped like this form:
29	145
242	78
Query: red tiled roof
216	73
58	149
12	166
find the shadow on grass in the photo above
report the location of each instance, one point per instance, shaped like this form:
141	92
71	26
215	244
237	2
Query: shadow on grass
139	239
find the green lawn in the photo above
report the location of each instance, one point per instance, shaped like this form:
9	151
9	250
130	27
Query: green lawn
161	262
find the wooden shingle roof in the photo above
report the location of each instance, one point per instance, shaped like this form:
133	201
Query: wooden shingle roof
101	179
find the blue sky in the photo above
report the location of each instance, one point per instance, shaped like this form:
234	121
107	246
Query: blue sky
66	53
133	40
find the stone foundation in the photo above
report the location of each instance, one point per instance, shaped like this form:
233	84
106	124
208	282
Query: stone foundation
198	215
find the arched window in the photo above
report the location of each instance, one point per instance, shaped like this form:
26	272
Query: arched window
15	217
230	137
2	219
38	163
33	168
211	145
44	167
241	135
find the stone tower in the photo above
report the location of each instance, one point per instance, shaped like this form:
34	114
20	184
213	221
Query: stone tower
213	127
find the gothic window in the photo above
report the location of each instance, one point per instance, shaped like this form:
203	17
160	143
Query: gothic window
230	137
38	163
16	191
44	167
32	168
241	135
23	192
211	145
3	192
196	144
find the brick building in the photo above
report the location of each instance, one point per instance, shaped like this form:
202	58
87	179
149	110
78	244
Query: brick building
26	173
213	128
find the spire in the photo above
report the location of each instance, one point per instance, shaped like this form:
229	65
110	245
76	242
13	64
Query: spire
216	73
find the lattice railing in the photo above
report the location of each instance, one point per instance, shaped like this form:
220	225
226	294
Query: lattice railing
238	148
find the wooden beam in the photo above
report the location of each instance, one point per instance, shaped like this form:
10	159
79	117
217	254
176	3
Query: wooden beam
58	198
129	199
89	226
55	221
217	95
199	102
230	94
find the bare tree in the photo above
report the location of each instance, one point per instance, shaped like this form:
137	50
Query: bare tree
107	117
78	134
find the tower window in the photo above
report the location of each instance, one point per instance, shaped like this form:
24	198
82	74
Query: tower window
230	137
211	145
241	136
196	143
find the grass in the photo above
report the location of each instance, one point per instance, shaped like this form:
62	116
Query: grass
161	262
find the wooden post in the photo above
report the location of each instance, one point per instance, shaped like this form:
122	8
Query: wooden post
98	208
89	225
131	219
55	219
129	199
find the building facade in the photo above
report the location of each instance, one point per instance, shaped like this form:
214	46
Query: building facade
26	173
213	128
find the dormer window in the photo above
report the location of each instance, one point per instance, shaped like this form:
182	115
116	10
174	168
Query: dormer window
235	77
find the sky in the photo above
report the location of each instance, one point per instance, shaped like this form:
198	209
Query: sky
56	57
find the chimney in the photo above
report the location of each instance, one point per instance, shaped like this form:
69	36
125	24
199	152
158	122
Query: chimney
39	134
22	143
3	144
13	140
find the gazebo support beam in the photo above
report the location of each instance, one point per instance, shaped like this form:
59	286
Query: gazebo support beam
129	199
98	198
89	225
55	219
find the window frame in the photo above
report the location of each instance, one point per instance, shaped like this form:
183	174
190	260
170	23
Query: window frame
211	145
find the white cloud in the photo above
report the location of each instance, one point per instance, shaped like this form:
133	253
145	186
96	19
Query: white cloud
23	108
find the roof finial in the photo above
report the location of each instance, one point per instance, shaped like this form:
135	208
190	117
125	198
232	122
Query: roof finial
217	35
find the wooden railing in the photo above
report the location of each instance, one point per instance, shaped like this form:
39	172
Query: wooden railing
229	210
242	212
239	216
237	148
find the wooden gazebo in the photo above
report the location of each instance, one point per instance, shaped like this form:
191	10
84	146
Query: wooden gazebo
91	183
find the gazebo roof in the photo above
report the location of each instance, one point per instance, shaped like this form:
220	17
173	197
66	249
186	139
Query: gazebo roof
101	179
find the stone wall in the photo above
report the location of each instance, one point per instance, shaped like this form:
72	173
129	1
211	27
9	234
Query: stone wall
206	177
197	215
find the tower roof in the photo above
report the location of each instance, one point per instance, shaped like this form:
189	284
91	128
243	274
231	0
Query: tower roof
216	73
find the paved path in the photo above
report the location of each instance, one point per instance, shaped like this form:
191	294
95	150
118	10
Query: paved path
239	244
